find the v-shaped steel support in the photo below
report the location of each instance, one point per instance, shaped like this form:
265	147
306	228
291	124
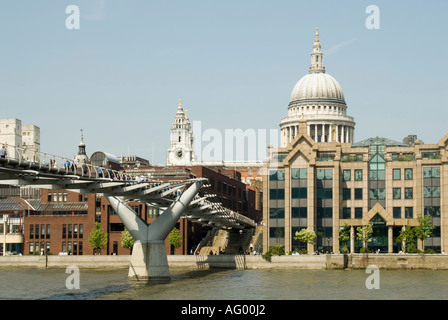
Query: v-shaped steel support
149	260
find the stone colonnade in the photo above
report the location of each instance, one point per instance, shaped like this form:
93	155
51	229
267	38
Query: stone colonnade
320	132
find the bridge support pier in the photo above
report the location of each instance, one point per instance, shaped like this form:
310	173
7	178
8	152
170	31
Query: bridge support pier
149	262
149	259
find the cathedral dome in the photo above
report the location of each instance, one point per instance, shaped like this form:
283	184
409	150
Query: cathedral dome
319	86
317	102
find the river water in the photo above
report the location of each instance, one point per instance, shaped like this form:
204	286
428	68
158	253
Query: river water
224	284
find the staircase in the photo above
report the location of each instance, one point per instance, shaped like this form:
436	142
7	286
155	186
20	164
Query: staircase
233	241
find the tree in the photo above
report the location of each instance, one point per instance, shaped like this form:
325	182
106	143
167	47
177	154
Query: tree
407	237
424	228
277	250
364	234
98	238
306	235
127	241
344	236
175	238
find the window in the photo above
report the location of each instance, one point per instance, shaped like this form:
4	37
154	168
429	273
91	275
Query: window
324	174
358	213
277	194
48	231
70	231
409	212
31	231
276	232
431	172
433	211
358	194
324	193
377	194
396	193
299	193
64	231
277	175
396	174
324	213
346	175
408	193
80	232
358	174
298	174
408	174
42	231
276	213
377	168
49	197
346	213
299	212
431	192
397	212
346	194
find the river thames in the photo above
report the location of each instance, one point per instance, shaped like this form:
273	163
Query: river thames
224	284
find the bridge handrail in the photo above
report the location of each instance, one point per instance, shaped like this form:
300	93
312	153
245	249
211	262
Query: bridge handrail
58	164
50	163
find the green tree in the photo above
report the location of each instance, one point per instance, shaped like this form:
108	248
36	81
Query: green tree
364	234
344	236
127	241
306	235
407	237
175	238
424	228
275	250
98	238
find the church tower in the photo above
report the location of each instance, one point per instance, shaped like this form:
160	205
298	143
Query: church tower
82	157
180	152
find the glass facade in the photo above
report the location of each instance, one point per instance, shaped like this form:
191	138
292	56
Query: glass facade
390	178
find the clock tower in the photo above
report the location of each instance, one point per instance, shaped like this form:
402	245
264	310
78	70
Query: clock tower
180	152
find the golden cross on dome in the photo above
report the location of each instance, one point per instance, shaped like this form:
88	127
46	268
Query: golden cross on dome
317	34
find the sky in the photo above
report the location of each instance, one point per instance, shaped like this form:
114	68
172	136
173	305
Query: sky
119	77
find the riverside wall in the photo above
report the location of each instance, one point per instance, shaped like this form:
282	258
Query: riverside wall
310	262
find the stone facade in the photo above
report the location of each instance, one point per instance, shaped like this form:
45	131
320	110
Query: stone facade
322	186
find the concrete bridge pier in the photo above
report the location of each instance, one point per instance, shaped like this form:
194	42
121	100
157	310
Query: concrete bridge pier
149	260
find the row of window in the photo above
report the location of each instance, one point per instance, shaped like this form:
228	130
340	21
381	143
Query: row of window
72	231
69	247
374	194
41	231
321	213
377	172
62	197
408	174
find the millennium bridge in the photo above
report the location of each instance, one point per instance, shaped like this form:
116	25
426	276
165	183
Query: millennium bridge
187	198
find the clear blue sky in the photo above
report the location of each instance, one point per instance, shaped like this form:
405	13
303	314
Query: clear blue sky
233	64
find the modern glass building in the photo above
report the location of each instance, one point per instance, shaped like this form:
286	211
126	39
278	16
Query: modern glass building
322	186
320	179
